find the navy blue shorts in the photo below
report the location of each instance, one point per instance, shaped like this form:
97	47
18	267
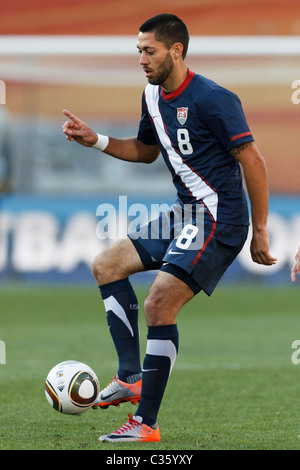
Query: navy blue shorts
192	247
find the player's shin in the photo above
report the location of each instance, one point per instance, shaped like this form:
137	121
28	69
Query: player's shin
162	349
122	317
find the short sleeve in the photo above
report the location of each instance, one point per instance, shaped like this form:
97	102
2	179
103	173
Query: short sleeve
225	118
146	133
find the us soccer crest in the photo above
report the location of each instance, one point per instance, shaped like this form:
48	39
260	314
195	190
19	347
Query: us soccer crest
182	114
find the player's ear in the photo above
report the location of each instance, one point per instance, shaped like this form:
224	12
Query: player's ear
177	50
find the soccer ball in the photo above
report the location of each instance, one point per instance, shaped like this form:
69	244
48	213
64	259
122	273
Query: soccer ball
71	387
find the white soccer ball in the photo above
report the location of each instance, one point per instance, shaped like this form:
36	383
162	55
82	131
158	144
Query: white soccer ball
71	387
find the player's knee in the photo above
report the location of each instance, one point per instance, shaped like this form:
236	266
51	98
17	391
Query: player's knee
156	311
96	268
101	269
151	309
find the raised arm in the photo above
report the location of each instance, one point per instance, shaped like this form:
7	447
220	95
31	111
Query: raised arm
131	149
255	174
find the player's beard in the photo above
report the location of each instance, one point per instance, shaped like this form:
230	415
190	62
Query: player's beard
163	71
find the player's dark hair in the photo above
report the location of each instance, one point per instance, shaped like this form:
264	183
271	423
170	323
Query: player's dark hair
168	29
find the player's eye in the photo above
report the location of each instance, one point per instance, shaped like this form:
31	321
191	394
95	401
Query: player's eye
147	52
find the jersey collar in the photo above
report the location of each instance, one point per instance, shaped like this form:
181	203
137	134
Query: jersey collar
179	90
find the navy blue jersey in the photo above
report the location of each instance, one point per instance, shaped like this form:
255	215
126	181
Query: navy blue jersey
196	127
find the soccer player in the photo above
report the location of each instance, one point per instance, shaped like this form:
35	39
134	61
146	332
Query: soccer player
201	132
296	267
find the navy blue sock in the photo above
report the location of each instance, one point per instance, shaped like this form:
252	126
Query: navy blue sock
162	349
122	317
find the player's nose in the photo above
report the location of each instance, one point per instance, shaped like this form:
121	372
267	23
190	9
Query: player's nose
143	59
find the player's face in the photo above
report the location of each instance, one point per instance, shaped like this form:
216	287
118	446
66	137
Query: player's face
155	59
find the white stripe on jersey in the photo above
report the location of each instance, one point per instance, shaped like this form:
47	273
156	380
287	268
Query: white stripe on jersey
196	185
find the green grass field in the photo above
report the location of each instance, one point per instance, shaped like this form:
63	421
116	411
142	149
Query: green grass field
233	387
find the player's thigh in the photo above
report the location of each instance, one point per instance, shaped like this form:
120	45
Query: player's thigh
165	298
116	262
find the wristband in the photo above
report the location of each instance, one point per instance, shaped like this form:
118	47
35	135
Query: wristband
101	143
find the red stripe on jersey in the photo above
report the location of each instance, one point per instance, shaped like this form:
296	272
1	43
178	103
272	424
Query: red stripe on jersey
175	93
239	136
206	241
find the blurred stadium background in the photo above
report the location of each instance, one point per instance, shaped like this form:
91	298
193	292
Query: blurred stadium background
80	55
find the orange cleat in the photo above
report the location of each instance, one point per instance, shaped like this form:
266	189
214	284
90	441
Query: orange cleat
118	392
133	431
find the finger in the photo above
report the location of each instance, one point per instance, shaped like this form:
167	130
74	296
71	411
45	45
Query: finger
269	261
266	262
262	258
77	132
294	272
71	116
68	126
